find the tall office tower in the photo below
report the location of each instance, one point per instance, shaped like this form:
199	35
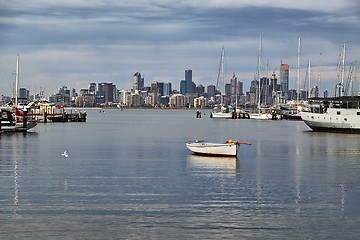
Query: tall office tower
233	88
138	82
273	83
154	86
211	91
167	89
240	88
107	91
200	90
188	81
92	88
183	87
161	88
284	77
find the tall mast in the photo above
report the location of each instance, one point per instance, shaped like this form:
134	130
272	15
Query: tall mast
258	70
298	70
309	77
17	80
222	76
319	73
343	70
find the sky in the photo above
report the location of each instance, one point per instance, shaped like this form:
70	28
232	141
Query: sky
75	42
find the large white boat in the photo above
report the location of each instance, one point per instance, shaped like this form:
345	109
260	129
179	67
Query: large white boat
230	148
336	114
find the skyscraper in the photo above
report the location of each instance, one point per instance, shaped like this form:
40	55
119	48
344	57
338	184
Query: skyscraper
138	82
167	89
284	77
188	81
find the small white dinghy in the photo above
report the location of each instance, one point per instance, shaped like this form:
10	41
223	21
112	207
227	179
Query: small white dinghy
202	147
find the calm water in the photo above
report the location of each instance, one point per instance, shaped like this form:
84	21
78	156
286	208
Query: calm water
130	176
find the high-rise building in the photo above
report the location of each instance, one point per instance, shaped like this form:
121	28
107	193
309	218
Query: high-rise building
167	89
92	88
138	82
183	87
200	90
233	88
284	77
107	92
154	86
188	81
211	91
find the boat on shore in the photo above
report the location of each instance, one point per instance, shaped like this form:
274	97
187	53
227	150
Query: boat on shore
336	114
230	148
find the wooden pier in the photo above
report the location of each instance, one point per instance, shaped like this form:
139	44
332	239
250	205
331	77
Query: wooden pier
65	117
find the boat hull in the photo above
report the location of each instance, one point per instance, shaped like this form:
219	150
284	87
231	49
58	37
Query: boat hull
334	120
223	115
216	149
18	127
261	116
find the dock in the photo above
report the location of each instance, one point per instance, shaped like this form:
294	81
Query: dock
65	117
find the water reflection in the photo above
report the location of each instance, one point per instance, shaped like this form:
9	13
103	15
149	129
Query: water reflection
16	183
220	165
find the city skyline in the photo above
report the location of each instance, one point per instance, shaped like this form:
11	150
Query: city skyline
74	43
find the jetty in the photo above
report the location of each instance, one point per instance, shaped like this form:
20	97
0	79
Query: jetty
64	117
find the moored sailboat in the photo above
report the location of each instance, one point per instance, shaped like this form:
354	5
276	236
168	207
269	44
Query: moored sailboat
222	111
13	118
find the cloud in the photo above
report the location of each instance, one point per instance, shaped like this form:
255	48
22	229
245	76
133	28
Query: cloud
92	41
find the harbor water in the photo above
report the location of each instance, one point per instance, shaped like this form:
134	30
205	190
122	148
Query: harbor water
129	175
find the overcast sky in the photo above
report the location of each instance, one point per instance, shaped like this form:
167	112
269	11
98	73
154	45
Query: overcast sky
75	42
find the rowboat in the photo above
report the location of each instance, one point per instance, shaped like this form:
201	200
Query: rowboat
230	148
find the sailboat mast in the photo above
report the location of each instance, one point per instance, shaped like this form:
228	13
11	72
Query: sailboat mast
343	69
222	76
17	80
258	70
298	70
309	77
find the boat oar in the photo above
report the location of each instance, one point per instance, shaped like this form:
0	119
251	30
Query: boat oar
246	143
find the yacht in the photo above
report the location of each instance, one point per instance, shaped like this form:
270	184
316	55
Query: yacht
335	114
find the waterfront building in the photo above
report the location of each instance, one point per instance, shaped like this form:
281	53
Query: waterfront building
123	96
200	102
164	100
134	100
86	100
153	99
177	101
